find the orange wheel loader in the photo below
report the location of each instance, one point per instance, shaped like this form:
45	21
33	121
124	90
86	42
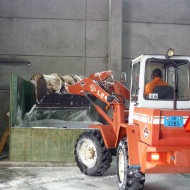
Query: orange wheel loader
151	135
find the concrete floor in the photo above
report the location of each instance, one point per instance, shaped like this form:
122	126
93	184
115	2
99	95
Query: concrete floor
70	178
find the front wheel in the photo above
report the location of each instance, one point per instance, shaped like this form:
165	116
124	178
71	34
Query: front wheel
91	155
128	178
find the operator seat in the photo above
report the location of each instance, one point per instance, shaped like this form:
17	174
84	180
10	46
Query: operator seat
164	92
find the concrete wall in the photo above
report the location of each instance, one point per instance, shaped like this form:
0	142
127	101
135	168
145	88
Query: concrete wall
64	36
73	36
152	27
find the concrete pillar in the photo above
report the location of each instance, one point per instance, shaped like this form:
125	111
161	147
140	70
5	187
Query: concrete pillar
115	37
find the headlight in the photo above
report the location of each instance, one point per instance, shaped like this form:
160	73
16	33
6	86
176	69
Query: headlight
170	53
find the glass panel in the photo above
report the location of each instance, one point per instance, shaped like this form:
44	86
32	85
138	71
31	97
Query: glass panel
183	75
135	81
174	72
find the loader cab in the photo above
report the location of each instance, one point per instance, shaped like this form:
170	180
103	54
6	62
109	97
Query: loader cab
175	72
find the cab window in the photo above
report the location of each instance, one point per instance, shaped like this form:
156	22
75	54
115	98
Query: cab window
174	72
135	82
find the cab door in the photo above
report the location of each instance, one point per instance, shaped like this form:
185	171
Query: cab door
135	77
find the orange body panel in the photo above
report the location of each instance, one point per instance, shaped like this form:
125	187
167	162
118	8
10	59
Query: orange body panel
115	133
174	159
86	86
120	89
153	131
133	137
107	134
149	132
101	76
172	143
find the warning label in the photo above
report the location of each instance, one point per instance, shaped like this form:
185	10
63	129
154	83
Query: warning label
146	132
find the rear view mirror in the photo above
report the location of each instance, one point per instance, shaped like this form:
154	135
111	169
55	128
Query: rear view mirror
123	77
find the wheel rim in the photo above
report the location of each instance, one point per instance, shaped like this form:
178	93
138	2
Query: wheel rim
88	153
121	166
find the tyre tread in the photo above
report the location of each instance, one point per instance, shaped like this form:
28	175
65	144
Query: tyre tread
135	179
106	158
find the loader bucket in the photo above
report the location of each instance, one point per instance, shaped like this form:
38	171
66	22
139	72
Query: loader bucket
63	101
51	93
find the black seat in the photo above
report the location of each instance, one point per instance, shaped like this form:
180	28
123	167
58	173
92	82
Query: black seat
164	92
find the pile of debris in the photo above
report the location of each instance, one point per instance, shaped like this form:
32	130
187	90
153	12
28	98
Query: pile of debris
53	83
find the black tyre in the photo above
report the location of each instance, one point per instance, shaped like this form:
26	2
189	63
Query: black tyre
91	155
128	179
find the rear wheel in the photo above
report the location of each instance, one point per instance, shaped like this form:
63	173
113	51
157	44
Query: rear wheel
91	155
128	179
